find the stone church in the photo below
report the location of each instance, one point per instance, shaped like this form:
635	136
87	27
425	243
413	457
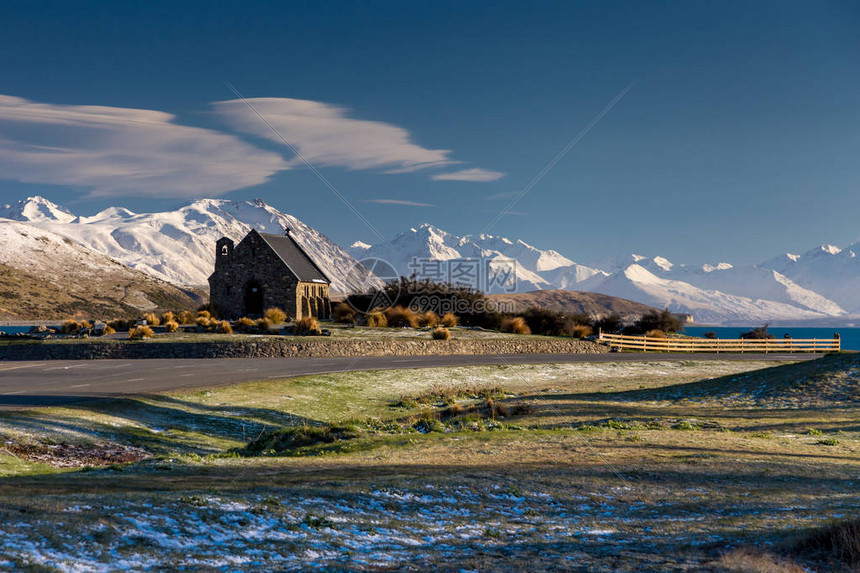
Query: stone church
265	271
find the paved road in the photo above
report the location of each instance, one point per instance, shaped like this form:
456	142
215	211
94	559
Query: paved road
24	384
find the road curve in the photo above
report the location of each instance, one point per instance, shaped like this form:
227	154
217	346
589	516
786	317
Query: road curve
54	382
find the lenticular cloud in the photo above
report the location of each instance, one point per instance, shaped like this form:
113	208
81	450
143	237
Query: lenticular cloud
113	151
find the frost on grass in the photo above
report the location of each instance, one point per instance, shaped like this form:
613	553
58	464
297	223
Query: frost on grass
409	526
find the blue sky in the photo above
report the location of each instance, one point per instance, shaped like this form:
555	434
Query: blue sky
739	139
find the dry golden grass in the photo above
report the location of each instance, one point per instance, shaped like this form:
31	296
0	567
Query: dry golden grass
151	319
275	315
748	560
245	324
140	333
581	331
655	334
264	325
171	326
109	330
441	333
401	317
516	325
223	327
343	313
450	320
168	317
375	319
308	325
186	317
429	319
204	314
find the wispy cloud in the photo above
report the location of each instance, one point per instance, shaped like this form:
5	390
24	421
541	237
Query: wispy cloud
325	135
474	174
398	202
120	151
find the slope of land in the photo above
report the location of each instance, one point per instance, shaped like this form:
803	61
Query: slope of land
46	276
572	302
514	467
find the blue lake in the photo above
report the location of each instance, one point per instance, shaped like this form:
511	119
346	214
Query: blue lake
850	336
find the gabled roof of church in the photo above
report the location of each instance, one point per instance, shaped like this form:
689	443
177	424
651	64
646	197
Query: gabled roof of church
295	258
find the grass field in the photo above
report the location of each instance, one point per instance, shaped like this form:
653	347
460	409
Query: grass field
681	466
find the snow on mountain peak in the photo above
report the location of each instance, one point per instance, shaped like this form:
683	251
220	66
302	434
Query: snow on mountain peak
36	209
717	267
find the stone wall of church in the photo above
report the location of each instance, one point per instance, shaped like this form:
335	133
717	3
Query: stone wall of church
236	268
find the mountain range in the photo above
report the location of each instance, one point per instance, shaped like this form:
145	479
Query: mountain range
177	247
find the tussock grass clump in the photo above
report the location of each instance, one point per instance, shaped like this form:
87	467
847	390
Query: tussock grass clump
428	319
204	314
440	393
450	320
245	324
749	560
581	331
171	326
401	317
839	540
375	319
343	313
308	326
655	334
71	327
275	315
290	439
168	317
140	333
108	329
203	323
441	333
186	317
516	325
264	325
151	319
222	327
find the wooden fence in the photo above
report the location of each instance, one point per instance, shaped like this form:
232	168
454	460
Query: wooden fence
781	345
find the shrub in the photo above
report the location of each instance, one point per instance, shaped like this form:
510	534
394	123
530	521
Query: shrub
168	317
441	333
343	313
275	315
308	325
759	333
375	319
204	314
545	321
245	324
151	319
140	333
655	334
222	327
428	318
264	325
401	317
663	320
203	322
450	320
186	317
610	324
71	327
581	331
108	329
516	324
171	326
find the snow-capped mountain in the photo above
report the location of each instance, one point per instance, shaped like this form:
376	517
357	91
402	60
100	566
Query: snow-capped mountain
179	246
710	292
828	270
46	275
530	267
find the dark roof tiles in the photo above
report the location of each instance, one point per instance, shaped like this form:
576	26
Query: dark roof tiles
295	258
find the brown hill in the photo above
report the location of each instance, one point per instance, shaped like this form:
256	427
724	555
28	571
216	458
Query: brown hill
572	302
46	276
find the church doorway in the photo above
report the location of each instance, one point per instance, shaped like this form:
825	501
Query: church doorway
253	299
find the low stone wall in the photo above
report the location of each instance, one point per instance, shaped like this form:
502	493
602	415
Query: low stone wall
274	348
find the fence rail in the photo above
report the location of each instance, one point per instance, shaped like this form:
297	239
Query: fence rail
717	345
